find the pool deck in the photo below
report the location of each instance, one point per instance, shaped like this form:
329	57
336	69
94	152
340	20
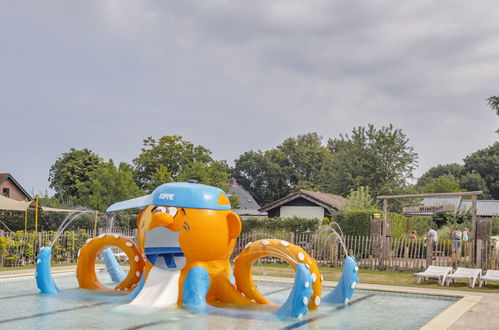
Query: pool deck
475	310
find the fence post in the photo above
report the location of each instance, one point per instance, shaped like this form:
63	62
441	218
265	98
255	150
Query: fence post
479	245
429	252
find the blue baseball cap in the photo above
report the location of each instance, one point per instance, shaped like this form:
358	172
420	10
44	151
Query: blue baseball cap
178	194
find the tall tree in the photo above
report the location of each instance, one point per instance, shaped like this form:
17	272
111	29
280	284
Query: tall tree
303	157
107	184
69	170
493	102
378	158
163	160
486	163
263	178
474	182
213	173
453	170
294	164
442	184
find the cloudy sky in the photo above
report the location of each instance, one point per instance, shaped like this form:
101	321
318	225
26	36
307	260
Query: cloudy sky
241	75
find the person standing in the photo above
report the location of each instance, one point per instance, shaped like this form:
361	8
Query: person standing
413	235
466	235
432	241
457	236
466	239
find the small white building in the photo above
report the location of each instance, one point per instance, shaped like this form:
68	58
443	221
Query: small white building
305	204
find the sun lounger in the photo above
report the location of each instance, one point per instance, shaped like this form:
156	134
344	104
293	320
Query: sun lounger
470	274
490	276
440	273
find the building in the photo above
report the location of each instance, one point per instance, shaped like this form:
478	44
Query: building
305	204
456	204
10	188
247	204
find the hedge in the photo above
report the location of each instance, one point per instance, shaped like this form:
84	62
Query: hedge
295	225
356	223
51	220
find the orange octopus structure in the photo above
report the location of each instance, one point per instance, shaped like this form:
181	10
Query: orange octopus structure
207	231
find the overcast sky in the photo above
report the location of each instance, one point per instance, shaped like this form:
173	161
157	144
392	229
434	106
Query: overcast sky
241	75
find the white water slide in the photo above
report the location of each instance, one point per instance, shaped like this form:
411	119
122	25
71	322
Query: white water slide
160	290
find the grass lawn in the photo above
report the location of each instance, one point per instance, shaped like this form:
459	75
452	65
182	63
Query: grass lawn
333	274
372	277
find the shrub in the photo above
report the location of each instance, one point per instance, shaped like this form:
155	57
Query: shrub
419	224
355	222
495	226
295	225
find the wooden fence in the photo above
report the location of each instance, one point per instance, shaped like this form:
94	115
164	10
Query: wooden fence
20	249
392	254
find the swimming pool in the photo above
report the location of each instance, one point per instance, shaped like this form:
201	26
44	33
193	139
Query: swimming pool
23	308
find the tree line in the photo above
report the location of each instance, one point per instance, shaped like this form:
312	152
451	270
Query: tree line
380	160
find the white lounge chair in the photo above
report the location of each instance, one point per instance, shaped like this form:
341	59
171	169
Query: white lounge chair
440	273
470	274
490	276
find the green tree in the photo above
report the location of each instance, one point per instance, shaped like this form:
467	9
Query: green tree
486	163
378	158
303	156
442	184
162	160
474	182
453	170
69	170
263	178
493	102
107	184
213	173
359	199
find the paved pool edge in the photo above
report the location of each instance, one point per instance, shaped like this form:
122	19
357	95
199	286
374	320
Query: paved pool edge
443	320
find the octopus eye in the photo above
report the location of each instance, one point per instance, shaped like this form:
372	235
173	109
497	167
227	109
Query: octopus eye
161	209
172	210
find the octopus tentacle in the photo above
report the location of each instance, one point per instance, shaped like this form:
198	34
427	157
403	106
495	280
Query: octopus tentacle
85	269
286	251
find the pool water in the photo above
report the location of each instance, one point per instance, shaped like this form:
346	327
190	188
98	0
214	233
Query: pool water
22	308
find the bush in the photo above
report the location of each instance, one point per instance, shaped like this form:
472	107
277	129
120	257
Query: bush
419	224
495	226
399	224
295	225
356	222
51	220
444	218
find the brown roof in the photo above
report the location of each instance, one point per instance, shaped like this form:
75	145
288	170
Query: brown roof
5	176
329	201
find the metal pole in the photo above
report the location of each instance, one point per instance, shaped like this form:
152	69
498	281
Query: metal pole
36	213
